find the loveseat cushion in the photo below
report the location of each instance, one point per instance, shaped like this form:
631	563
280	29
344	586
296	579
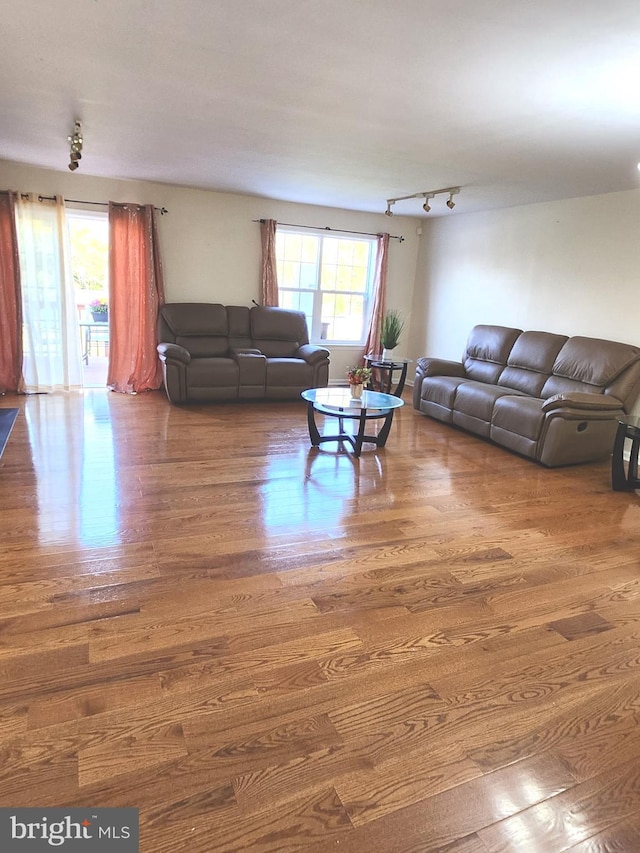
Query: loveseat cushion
201	328
216	372
239	326
289	371
204	346
278	333
195	318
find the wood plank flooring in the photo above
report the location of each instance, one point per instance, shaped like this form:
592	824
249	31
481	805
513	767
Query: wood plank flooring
270	648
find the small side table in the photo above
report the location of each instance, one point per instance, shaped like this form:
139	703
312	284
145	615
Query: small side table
621	480
387	368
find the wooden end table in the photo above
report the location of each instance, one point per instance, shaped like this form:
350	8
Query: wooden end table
387	368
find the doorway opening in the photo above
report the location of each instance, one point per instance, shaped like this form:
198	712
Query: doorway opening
89	242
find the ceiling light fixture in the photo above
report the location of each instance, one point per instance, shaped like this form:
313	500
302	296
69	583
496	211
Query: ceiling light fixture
427	195
76	142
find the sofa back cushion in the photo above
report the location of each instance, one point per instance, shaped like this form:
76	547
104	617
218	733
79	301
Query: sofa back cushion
487	352
589	364
239	326
278	332
200	327
531	361
195	318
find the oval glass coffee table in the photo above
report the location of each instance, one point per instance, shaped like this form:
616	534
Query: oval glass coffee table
338	403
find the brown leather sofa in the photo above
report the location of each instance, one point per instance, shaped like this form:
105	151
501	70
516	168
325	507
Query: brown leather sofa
215	352
549	397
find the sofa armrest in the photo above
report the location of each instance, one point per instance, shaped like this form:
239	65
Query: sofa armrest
580	401
312	354
252	371
174	352
440	367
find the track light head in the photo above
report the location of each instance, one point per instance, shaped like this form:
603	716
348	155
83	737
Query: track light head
388	211
75	150
426	206
450	202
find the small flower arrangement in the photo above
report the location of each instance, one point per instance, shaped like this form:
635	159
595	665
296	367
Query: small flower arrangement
99	306
358	375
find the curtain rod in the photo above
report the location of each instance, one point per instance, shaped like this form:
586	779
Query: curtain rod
161	210
327	228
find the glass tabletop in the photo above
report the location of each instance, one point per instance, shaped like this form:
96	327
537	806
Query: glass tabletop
380	359
341	399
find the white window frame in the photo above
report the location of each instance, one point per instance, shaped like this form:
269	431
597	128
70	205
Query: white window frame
315	327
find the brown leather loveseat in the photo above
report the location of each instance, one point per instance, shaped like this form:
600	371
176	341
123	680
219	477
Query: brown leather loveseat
546	396
215	352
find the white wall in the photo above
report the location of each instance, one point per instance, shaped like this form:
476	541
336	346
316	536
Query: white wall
210	245
569	266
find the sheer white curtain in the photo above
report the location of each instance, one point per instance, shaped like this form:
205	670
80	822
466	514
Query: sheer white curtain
51	339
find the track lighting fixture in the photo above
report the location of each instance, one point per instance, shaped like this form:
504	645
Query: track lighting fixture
450	202
75	153
427	195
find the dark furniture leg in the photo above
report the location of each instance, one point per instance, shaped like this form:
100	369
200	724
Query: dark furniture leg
622	481
314	435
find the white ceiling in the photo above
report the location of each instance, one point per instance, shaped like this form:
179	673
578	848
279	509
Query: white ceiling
334	102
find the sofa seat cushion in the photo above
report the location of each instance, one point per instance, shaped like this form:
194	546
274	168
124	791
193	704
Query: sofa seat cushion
477	400
441	390
203	372
521	415
289	371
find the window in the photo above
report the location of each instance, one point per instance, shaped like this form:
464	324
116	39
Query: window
328	278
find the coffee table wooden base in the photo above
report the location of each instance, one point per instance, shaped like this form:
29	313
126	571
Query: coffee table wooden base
357	440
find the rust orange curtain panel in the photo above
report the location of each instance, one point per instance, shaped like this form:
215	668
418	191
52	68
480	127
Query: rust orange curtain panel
269	294
372	344
136	291
10	298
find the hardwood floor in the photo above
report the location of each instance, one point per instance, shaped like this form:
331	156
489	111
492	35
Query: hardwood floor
270	648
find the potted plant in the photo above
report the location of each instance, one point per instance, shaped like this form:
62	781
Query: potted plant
357	378
99	310
390	331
